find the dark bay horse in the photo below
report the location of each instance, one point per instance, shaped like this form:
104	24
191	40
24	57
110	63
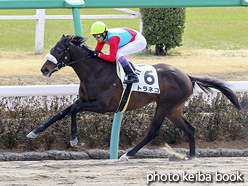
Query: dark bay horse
100	90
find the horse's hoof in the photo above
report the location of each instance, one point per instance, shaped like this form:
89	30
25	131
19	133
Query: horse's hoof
74	142
124	157
32	135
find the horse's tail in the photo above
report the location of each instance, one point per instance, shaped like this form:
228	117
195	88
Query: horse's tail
206	83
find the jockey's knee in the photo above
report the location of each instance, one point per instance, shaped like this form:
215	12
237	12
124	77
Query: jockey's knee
123	61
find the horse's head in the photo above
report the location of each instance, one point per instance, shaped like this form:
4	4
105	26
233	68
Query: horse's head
61	54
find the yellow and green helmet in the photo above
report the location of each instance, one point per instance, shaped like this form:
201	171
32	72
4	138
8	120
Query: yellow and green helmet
98	28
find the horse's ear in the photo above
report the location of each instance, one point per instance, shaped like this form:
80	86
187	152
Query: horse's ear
63	36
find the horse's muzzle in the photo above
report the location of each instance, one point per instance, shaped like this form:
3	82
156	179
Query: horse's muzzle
46	72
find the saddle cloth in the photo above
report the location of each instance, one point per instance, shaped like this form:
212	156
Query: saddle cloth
148	78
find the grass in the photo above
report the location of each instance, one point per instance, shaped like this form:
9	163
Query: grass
19	35
216	28
206	28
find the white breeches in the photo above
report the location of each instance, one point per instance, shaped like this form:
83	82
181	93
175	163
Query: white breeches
137	45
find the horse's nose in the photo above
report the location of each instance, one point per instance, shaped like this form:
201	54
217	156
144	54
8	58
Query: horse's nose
44	71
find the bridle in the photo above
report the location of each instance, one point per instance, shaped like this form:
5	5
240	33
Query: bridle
62	60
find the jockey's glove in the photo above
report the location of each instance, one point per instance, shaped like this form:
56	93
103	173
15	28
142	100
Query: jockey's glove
94	53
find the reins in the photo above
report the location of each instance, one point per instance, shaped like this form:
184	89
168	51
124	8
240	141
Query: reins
76	61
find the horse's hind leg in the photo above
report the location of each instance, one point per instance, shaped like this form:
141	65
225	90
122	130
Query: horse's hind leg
178	120
153	132
55	118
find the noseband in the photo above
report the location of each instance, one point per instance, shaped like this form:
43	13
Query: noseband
62	60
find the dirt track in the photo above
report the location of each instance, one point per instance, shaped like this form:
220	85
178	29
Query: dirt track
133	172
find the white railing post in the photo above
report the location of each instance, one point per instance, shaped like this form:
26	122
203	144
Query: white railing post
39	31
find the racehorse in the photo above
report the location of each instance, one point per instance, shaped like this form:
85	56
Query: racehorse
100	91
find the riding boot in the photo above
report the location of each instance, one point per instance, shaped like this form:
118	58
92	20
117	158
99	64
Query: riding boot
132	76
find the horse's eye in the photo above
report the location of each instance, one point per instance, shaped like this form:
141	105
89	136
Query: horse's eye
59	51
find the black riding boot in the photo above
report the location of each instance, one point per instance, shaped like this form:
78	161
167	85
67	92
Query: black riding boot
132	76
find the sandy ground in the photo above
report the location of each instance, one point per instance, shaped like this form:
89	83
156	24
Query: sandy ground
226	65
133	172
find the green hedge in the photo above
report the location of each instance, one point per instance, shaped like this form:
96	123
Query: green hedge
214	119
163	27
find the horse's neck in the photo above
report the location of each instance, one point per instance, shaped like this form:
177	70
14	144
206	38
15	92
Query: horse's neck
91	67
82	68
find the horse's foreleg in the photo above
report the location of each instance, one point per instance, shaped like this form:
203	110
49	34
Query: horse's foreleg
73	138
85	106
55	118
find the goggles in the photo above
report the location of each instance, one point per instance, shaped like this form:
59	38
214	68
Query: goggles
96	35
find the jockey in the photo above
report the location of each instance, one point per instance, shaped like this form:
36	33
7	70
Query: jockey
122	42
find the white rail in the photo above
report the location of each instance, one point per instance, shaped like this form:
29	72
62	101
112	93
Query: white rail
49	90
38	90
236	86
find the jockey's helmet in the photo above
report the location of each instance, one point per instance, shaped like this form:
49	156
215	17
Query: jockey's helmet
98	28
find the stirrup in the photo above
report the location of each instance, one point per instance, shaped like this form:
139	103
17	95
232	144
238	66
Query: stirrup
132	79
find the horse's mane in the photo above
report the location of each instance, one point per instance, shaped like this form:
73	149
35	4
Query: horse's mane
79	41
